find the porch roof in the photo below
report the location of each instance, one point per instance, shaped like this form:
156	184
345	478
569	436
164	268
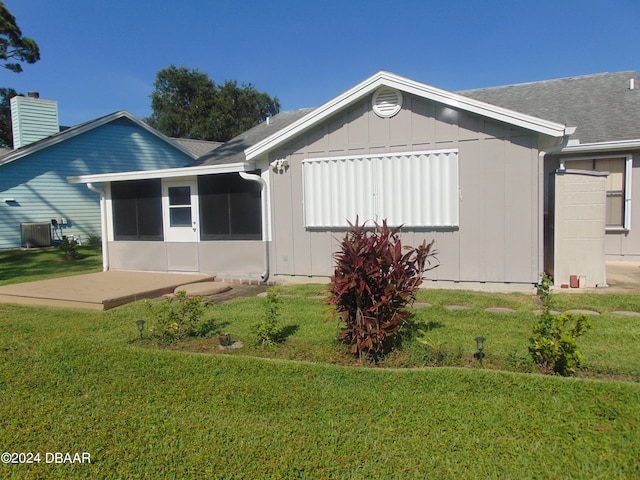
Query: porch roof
163	173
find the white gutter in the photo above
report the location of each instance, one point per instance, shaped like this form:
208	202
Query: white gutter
265	219
541	156
103	225
603	146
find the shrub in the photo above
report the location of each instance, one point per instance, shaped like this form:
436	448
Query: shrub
372	285
553	345
69	248
180	317
267	331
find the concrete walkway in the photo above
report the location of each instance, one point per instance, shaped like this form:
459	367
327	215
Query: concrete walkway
97	291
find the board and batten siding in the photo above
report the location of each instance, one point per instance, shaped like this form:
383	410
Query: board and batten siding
38	182
498	236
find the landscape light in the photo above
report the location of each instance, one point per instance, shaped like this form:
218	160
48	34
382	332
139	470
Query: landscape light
140	325
480	345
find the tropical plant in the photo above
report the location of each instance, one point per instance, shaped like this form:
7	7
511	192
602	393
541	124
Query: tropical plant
373	283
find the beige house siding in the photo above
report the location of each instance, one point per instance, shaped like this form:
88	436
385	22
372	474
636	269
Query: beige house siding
499	234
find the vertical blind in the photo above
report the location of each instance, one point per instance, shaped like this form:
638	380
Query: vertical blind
415	189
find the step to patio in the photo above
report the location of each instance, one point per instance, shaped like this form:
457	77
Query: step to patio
203	289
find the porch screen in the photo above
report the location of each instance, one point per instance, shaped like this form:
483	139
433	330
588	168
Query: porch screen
415	189
230	208
137	210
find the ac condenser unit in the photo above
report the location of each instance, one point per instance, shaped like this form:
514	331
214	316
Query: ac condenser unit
35	235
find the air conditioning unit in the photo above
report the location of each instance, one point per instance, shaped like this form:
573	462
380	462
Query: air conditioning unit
35	235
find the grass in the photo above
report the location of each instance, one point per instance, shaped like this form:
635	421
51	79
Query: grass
19	266
82	381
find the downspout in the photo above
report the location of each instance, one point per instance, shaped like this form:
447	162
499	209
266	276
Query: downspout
568	131
103	225
265	219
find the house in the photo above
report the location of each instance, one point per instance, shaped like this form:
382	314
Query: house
605	108
37	204
272	204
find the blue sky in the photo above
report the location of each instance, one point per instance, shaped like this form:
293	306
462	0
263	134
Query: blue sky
101	56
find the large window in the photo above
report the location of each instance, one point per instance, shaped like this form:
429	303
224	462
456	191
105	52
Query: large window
137	210
415	189
230	208
618	188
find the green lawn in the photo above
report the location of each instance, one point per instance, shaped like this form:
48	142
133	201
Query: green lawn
17	266
82	381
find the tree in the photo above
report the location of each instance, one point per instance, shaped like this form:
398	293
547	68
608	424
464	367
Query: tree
6	135
13	46
187	103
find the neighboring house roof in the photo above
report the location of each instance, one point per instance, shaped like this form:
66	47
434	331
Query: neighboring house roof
423	90
226	158
233	151
82	128
197	147
602	106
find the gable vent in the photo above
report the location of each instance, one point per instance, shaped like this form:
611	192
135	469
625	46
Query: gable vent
387	102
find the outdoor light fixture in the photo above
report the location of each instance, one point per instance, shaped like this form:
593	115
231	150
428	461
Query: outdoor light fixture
140	325
480	345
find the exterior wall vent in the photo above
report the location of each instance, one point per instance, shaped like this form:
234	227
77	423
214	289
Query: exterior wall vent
35	235
387	102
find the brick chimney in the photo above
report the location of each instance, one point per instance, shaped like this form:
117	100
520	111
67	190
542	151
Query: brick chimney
33	119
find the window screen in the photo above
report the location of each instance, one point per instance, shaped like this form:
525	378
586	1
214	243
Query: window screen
418	189
137	210
230	208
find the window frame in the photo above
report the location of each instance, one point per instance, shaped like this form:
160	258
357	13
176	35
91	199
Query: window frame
627	184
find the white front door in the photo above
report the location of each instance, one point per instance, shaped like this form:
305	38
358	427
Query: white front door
180	211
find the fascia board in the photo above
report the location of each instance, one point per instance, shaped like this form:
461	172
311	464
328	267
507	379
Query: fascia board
603	146
163	173
416	88
85	127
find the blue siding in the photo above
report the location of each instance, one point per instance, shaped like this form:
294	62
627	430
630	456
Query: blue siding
38	182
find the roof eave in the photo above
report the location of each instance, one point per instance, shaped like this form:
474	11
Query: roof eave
617	145
162	173
383	78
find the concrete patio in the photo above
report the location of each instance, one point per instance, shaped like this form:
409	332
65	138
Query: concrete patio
97	291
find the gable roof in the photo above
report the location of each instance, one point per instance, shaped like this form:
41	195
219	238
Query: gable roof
197	147
233	151
602	106
83	128
387	79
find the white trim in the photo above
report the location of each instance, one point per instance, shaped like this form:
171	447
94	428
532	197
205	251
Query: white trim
387	79
628	174
190	234
163	173
603	146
